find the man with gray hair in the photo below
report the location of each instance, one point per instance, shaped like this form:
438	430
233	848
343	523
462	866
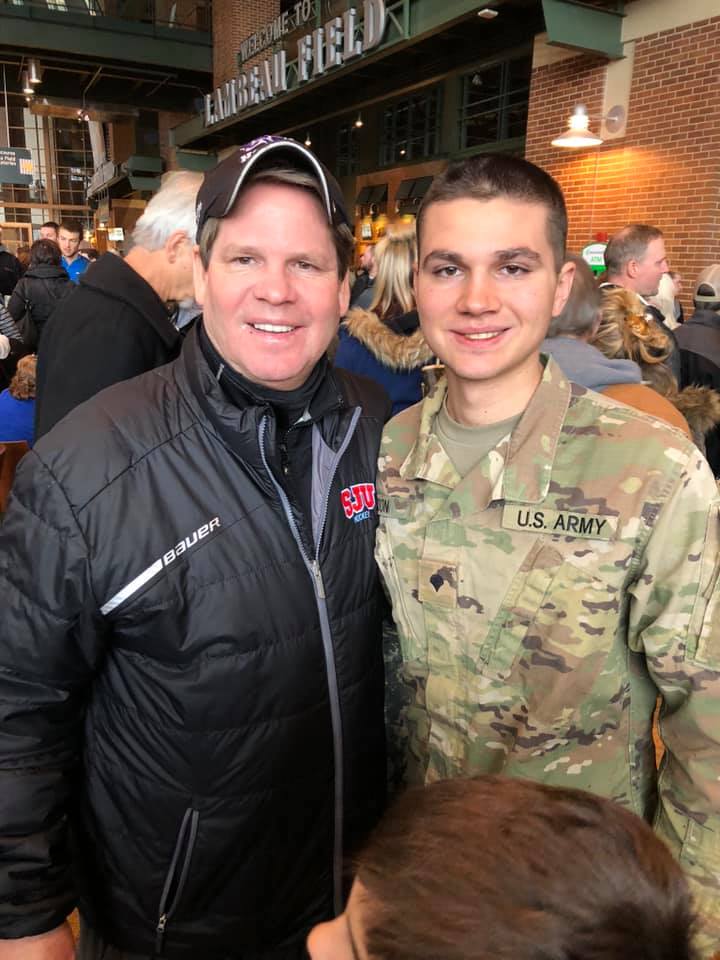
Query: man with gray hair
116	324
635	259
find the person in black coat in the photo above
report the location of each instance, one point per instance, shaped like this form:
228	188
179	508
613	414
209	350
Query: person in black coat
10	270
699	339
37	294
191	669
115	324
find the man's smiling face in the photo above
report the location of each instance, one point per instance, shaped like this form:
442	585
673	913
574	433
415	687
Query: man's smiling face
487	285
271	295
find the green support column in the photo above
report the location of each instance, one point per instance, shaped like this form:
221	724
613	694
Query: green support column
582	27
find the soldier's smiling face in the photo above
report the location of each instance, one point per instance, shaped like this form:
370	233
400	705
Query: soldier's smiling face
487	285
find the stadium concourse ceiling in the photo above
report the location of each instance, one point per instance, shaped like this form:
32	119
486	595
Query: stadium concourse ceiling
100	61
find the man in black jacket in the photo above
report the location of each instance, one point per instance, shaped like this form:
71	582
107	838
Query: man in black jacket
116	324
699	339
10	270
191	682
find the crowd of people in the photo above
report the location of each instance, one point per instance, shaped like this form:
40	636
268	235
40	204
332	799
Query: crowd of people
344	623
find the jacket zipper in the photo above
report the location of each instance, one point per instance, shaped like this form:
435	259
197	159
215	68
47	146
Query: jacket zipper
186	838
313	567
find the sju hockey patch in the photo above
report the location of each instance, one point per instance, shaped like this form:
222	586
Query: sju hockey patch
358	500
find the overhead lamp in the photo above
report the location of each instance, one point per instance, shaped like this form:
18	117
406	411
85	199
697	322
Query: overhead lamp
579	134
26	85
34	71
308	141
359	121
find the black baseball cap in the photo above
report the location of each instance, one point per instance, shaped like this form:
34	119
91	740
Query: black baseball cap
222	184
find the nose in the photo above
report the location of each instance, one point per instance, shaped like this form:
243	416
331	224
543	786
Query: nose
273	285
479	293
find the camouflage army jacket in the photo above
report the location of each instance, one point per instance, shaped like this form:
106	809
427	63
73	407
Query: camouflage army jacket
545	599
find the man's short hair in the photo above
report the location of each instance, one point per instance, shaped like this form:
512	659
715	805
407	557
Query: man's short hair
71	226
493	868
51	225
581	312
288	176
628	244
488	176
172	208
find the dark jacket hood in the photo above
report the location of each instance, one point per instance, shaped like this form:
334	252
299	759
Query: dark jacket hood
401	351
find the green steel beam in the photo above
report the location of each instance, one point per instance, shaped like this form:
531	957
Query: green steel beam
144	183
34	28
581	27
139	164
199	162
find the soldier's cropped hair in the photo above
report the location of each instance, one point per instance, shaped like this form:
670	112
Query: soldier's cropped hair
628	244
341	234
581	313
487	177
171	208
494	868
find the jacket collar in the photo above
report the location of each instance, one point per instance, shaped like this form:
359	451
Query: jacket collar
110	276
520	468
236	424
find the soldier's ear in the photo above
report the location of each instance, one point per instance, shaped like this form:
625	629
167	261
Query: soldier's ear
563	287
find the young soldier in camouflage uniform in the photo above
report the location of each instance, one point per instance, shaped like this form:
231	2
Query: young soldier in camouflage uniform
552	556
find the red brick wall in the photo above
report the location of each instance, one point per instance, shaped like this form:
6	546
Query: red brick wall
233	20
666	169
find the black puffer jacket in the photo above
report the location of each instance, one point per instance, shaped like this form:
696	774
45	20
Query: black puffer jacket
200	699
39	290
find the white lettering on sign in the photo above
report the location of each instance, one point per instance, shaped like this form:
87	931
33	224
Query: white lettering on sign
325	48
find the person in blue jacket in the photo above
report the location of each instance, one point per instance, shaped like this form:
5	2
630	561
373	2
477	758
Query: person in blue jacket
385	342
17	403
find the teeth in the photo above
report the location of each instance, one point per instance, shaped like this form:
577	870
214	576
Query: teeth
272	327
490	335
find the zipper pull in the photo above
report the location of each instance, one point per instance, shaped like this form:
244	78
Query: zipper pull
160	933
319	585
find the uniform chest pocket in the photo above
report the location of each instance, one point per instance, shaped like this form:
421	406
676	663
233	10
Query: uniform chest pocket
555	630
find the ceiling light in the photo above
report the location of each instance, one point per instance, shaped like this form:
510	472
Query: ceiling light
26	86
308	141
359	121
578	133
34	71
487	14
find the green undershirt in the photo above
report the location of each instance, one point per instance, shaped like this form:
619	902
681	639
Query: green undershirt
466	446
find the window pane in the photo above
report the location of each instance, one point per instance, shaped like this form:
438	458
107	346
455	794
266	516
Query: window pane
495	102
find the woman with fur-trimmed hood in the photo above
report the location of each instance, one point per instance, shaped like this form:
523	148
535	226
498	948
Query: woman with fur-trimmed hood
384	342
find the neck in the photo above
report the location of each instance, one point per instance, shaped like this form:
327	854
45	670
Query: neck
72	258
478	403
151	267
